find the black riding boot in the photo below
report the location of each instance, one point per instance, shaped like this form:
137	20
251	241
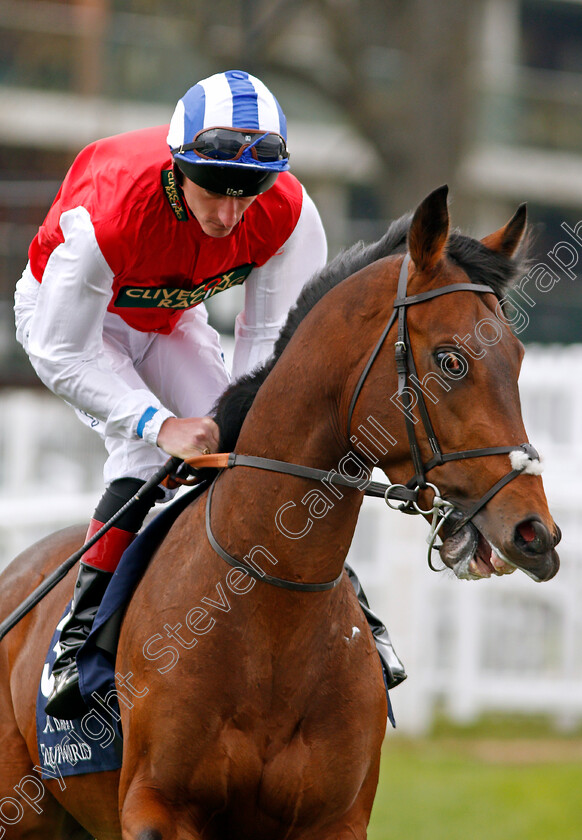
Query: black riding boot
65	700
393	667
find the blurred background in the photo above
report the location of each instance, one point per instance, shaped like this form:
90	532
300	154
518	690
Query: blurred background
385	101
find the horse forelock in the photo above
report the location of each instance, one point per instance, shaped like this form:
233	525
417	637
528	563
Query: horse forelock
479	263
482	265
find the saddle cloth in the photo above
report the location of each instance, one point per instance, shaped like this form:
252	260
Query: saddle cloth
93	743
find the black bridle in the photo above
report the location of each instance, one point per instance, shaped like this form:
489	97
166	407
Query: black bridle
408	382
405	494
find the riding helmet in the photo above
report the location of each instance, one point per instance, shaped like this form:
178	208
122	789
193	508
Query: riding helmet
228	134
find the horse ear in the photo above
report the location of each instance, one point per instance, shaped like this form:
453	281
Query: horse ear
506	239
429	230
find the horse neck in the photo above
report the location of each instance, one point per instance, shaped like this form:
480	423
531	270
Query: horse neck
304	524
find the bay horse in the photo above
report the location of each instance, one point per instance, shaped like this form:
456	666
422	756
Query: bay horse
257	712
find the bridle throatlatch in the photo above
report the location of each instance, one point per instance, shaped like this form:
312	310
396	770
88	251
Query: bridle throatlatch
524	458
404	497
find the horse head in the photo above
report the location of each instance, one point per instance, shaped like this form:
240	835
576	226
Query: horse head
455	389
399	354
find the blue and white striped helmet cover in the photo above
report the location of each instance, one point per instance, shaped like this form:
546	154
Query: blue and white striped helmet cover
233	99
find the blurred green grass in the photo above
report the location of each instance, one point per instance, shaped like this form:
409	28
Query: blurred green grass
500	780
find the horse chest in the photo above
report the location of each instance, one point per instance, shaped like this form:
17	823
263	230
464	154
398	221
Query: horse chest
310	774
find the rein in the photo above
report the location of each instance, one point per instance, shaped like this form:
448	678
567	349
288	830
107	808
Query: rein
232	459
255	571
405	494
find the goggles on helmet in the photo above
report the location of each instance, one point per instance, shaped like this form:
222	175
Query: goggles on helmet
230	144
236	181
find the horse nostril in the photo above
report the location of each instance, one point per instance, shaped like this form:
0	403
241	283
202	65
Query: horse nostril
532	537
557	534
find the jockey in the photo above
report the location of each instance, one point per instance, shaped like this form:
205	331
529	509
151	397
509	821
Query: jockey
110	308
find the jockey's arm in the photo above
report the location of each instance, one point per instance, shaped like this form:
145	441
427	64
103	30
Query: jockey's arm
272	289
60	325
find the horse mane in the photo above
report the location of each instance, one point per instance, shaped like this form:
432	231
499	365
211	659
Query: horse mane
479	263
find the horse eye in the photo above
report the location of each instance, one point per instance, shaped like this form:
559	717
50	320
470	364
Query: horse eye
449	361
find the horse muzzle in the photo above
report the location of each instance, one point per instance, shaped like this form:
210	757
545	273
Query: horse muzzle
533	548
473	551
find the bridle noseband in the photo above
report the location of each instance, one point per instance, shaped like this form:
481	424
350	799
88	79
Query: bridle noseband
406	495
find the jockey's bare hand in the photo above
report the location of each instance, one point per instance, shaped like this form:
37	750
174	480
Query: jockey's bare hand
188	437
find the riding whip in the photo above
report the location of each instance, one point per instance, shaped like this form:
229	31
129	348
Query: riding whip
171	466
